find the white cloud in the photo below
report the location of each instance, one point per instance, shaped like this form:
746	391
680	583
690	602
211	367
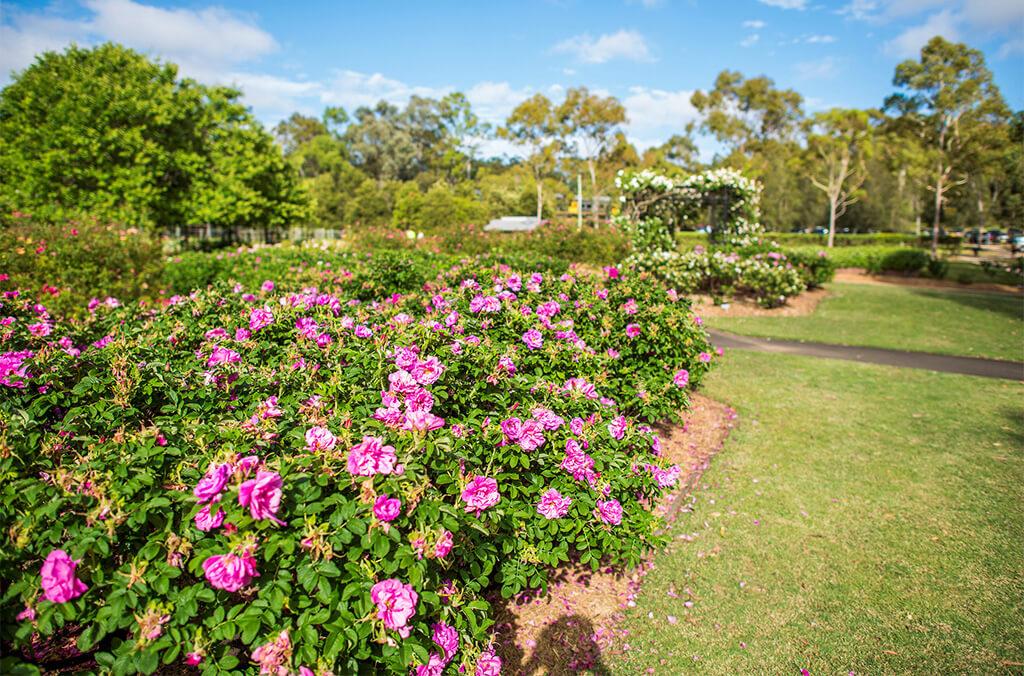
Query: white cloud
650	110
756	24
995	14
1011	47
785	4
493	101
822	69
623	44
352	89
750	40
860	10
908	43
195	36
820	39
28	35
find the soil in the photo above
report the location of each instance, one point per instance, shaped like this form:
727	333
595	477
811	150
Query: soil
803	304
859	276
566	630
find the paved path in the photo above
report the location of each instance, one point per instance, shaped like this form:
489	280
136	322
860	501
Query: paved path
971	366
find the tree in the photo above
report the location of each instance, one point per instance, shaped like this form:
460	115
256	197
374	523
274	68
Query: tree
589	125
463	128
297	130
743	113
949	96
109	132
380	144
531	125
838	141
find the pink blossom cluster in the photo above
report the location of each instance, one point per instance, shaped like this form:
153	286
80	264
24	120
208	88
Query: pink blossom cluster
396	604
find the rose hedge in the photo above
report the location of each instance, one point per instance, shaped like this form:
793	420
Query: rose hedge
305	482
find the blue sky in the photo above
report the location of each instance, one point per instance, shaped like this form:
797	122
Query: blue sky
651	54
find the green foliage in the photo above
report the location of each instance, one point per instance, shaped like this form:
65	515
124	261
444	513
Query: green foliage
906	261
71	264
107	132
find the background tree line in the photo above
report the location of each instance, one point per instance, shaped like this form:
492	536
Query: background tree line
109	132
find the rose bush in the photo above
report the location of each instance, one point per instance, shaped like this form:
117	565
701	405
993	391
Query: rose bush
296	479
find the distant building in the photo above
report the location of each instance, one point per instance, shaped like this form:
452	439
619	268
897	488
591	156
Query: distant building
513	224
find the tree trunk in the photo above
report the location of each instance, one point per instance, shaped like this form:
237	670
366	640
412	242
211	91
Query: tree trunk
593	193
938	213
831	221
540	199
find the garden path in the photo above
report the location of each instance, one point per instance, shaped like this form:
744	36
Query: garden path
971	366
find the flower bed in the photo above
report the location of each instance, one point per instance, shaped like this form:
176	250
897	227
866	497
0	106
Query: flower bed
304	480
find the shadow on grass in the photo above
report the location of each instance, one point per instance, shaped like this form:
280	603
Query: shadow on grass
1005	304
566	646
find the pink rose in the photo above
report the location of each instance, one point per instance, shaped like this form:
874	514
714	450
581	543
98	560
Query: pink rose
533	339
444	545
262	496
427	371
447	639
609	511
319	439
387	509
212	483
396	603
230	572
488	664
59	582
681	378
481	493
553	505
193	659
371	457
260	318
617	427
205	522
704	357
633	330
274	656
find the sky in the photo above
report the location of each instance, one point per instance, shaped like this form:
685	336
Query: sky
651	54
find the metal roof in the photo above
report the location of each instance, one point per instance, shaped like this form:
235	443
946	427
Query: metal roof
513	224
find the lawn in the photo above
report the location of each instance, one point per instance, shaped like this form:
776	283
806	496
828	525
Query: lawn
861	519
966	323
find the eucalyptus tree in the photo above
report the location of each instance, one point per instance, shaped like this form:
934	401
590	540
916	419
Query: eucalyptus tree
949	97
532	126
589	125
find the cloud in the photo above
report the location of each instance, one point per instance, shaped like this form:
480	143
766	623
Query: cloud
650	110
756	24
750	40
822	69
493	101
820	39
908	43
353	89
623	44
785	4
995	14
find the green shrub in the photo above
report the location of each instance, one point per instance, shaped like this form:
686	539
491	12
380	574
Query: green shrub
937	268
906	261
72	263
816	269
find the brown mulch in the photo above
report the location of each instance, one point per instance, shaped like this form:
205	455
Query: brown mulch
858	276
803	304
566	630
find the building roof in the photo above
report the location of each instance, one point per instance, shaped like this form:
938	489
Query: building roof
513	224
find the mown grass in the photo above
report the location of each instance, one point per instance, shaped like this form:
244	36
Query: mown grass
906	318
860	519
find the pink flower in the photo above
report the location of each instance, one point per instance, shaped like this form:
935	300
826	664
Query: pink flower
371	457
319	439
222	355
267	285
12	369
396	603
427	371
617	427
484	304
481	493
611	271
260	318
681	378
193	659
488	664
230	572
704	357
387	509
59	582
547	418
363	331
212	483
444	545
553	505
29	613
42	329
577	462
273	657
447	639
421	421
609	511
506	364
262	496
205	522
633	330
533	339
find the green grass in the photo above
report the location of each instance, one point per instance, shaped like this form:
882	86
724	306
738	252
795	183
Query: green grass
860	519
905	318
